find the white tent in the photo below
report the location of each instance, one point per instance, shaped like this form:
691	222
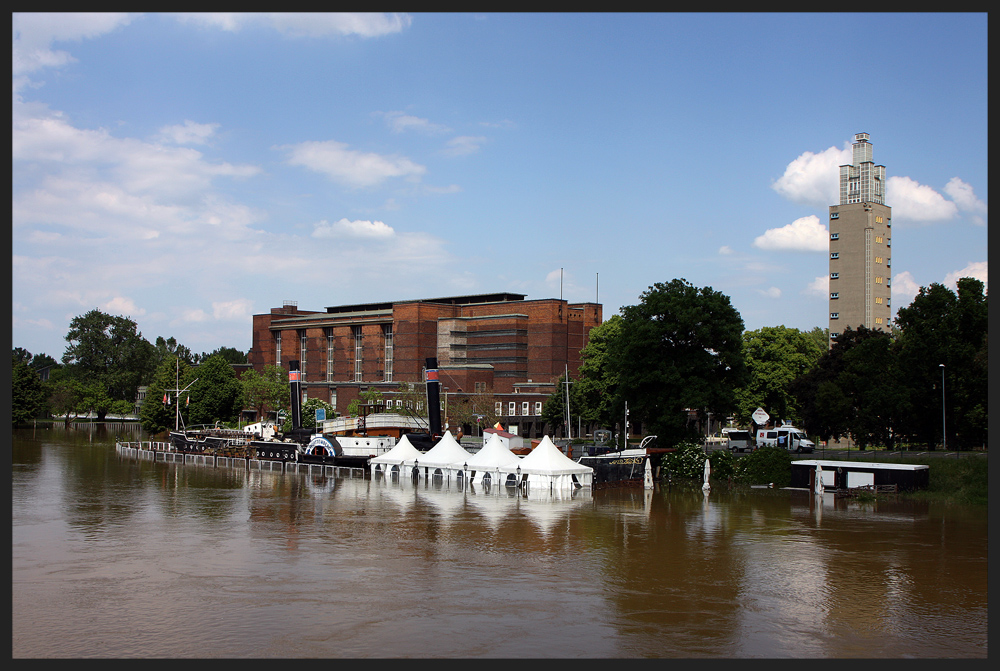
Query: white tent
443	457
494	461
403	456
549	469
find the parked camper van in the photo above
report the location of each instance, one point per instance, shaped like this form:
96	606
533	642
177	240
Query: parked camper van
786	436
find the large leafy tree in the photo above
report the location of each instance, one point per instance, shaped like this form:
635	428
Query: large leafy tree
597	386
945	327
215	392
554	409
27	393
156	416
775	356
267	391
680	348
108	351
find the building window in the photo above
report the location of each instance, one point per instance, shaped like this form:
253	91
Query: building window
834	294
387	338
834	276
834	315
878	280
512	408
303	347
888	242
878	320
538	408
888	222
499	408
480	387
878	220
277	349
833	336
888	262
878	259
835	236
878	299
525	408
358	352
329	355
878	238
834	215
835	255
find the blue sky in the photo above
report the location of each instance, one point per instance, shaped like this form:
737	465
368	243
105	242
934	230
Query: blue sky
189	171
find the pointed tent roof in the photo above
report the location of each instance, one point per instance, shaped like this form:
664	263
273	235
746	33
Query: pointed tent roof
547	459
402	452
494	455
446	453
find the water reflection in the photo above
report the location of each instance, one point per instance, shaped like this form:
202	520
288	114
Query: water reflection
114	554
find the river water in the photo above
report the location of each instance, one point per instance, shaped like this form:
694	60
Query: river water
115	558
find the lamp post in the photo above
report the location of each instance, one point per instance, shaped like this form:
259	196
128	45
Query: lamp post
944	433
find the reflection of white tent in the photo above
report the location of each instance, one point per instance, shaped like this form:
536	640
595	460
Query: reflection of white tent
443	457
550	469
494	460
402	455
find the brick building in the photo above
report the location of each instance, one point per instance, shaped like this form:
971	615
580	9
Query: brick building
499	343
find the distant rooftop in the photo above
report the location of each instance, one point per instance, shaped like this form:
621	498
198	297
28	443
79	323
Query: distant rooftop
448	300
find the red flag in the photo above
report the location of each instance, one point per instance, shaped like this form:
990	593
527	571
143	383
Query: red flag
165	401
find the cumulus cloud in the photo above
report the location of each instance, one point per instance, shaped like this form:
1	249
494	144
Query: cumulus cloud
820	286
463	145
814	179
123	306
306	24
904	289
401	121
913	201
772	292
188	133
805	234
966	200
349	167
977	269
35	33
352	229
238	309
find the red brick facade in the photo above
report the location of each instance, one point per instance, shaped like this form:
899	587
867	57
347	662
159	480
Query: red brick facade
515	347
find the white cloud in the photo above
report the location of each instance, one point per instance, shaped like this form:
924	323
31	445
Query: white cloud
401	121
351	168
966	200
35	33
352	229
123	306
977	269
820	286
189	133
238	309
463	145
725	250
904	289
772	292
805	234
306	24
912	201
814	179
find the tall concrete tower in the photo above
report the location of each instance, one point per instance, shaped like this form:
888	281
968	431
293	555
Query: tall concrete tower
860	246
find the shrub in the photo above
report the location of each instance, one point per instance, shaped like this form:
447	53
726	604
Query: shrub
763	466
688	461
723	464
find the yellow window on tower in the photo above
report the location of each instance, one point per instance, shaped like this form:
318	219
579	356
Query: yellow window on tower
878	238
878	280
878	299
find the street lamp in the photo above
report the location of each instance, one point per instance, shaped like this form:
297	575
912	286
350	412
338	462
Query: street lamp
944	433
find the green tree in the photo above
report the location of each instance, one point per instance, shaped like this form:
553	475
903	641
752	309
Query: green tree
155	416
215	392
939	327
598	383
65	396
108	351
474	410
309	409
166	348
821	336
267	391
775	356
27	394
554	409
229	354
681	347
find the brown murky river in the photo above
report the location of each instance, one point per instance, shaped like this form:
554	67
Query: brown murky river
115	558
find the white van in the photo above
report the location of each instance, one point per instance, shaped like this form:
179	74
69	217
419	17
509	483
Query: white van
786	436
738	441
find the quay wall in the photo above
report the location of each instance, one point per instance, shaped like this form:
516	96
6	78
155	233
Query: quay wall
162	452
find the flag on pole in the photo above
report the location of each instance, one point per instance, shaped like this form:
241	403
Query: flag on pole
187	401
